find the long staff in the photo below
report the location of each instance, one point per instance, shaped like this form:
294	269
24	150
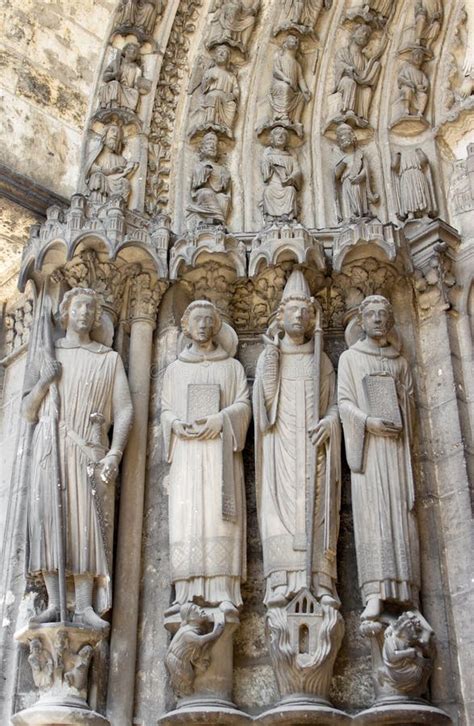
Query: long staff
49	354
311	496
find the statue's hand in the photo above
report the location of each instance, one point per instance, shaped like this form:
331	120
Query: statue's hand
50	372
182	431
209	427
109	464
380	427
321	432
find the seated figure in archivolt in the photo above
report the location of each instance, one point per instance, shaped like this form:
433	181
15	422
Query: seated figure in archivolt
297	454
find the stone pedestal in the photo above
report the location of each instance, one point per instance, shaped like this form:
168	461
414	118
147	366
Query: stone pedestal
60	656
304	710
402	714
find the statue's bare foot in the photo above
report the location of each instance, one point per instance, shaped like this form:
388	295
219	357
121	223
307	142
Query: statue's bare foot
373	609
329	601
228	608
173	609
50	615
277	600
90	619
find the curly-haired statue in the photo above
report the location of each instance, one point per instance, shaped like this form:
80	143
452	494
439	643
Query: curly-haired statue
376	402
83	387
297	453
205	416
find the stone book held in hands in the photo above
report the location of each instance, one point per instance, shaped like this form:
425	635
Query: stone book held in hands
382	399
203	400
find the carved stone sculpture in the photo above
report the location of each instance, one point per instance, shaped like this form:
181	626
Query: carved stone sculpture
414	184
188	653
298	454
210	186
299	15
282	178
356	76
219	95
41	664
233	24
428	20
413	86
205	415
352	176
289	91
375	394
304	639
60	659
123	80
373	12
108	171
79	381
139	14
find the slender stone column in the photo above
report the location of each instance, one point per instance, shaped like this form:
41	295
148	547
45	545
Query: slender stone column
146	293
444	462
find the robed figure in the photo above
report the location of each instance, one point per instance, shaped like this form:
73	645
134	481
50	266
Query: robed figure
205	416
282	178
375	394
297	456
93	393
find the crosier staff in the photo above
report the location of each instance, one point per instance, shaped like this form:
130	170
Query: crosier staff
311	491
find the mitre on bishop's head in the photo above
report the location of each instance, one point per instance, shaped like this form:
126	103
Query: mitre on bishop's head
296	287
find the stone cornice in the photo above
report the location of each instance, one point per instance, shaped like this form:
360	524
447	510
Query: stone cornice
27	193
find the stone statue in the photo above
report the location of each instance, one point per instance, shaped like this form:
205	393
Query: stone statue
210	185
375	395
123	80
79	379
297	454
41	664
147	12
413	84
126	13
289	91
299	15
407	655
282	178
428	20
356	76
108	171
188	653
413	184
219	95
205	416
233	24
352	175
77	676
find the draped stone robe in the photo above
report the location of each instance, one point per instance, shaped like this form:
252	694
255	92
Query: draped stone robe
91	378
385	526
282	176
207	546
283	417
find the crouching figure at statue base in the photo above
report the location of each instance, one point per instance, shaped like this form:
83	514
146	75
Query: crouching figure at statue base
205	416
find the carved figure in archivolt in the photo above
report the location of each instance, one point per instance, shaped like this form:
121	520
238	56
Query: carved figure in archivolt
233	23
428	21
407	655
375	393
108	172
123	80
374	12
140	14
210	186
355	77
413	184
189	651
352	176
289	91
219	95
299	15
282	178
205	416
83	387
413	85
297	454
